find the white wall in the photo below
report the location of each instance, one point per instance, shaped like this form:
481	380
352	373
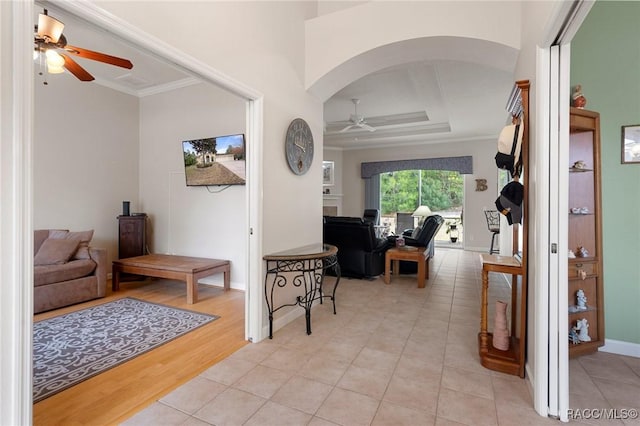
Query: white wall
85	157
191	221
476	235
260	44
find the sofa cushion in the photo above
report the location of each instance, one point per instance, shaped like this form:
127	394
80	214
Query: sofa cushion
55	252
48	274
84	237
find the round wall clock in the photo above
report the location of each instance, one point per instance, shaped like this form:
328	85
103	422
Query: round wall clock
298	146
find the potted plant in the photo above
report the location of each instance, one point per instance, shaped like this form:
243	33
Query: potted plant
452	229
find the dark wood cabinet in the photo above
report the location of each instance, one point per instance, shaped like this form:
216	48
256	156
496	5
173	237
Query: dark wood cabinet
132	235
585	231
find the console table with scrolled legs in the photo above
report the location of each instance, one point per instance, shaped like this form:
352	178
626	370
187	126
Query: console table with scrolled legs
301	267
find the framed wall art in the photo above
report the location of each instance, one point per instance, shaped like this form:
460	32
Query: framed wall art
327	173
631	144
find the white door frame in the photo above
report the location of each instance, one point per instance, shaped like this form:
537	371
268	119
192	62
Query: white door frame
16	248
552	346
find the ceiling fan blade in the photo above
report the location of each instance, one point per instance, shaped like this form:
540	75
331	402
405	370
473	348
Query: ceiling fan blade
100	57
74	68
365	126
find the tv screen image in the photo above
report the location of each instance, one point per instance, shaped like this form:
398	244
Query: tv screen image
217	160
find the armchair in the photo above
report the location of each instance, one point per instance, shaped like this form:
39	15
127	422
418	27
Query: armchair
360	253
422	236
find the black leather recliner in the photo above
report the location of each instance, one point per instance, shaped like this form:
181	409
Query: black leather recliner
360	253
422	236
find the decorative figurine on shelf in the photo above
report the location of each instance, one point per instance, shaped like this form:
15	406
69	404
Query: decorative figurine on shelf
582	327
582	252
581	300
579	101
573	336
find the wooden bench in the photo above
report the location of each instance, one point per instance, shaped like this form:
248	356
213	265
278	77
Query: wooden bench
183	268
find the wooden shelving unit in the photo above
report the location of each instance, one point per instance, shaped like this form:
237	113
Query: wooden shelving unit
585	229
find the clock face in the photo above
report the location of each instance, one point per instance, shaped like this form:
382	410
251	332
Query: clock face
298	146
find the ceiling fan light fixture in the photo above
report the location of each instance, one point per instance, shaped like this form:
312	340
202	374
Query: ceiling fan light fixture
49	28
55	62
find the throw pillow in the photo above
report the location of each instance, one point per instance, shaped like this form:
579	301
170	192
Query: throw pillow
55	251
84	237
83	248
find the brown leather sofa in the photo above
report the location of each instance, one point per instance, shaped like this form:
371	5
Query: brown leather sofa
66	269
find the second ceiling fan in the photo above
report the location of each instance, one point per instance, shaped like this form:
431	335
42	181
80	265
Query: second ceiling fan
48	40
357	121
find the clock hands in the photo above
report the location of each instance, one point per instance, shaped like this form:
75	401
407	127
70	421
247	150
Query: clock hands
300	146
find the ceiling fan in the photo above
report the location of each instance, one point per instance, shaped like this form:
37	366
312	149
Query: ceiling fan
49	39
357	120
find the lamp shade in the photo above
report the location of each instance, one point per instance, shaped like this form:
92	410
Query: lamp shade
49	28
55	62
422	211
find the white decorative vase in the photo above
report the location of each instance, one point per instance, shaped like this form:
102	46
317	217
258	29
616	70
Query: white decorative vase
500	331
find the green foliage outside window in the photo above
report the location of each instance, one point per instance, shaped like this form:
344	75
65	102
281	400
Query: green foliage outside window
440	190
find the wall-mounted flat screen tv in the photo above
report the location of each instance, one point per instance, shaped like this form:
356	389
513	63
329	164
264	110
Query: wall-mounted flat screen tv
212	161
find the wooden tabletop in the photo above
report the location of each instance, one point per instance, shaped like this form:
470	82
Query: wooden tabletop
171	262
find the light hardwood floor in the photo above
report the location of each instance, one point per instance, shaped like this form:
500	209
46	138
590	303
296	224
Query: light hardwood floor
113	396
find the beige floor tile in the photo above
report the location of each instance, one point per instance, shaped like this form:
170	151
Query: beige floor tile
278	415
157	414
579	380
228	371
465	381
256	352
302	394
464	357
414	394
619	394
441	421
193	395
512	415
192	421
466	409
348	408
317	421
608	366
324	369
231	407
395	415
263	381
365	381
386	343
286	359
384	362
343	348
514	392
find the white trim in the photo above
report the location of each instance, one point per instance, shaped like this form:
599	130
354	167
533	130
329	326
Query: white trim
539	241
561	161
621	348
16	242
254	307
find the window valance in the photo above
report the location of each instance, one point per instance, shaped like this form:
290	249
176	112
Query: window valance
463	165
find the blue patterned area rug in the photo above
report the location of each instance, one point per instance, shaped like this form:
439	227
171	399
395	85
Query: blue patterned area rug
74	347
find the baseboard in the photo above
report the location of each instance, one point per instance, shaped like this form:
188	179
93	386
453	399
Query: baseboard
220	283
621	348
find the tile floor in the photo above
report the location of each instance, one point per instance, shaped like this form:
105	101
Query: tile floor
393	355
